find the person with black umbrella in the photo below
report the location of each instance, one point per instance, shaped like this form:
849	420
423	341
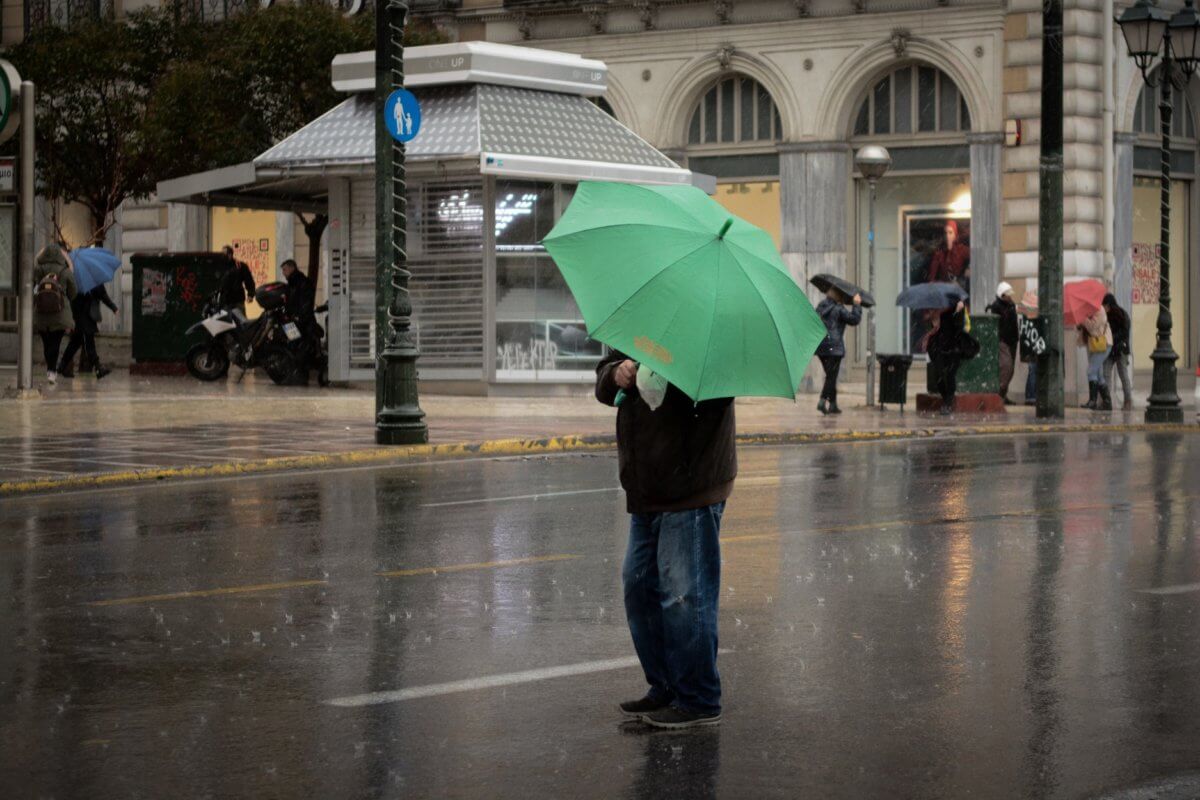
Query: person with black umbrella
832	350
949	346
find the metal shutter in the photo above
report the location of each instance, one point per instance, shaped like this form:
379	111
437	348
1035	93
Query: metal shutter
445	256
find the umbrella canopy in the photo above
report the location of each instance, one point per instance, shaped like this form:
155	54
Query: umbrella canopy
667	275
93	267
939	294
825	282
1081	299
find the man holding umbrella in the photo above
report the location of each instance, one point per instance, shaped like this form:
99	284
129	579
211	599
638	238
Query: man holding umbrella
706	310
677	462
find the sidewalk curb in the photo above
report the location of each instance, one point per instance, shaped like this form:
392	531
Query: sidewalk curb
533	447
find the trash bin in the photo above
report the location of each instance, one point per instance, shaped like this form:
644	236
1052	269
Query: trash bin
893	379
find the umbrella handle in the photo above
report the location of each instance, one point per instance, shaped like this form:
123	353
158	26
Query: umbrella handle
620	398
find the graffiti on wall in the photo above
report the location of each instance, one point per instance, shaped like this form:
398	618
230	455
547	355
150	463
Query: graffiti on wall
1145	273
256	252
536	354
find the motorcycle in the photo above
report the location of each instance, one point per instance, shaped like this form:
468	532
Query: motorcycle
310	351
246	343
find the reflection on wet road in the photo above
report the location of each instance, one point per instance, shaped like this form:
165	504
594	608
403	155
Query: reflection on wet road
981	617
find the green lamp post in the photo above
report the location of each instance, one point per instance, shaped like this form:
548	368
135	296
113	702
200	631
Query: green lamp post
398	416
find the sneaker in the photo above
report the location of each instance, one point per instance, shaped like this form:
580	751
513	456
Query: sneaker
821	405
51	377
647	705
101	372
674	718
833	409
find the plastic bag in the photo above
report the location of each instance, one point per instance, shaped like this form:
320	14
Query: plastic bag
652	387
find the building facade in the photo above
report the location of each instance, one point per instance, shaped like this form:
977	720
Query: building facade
774	96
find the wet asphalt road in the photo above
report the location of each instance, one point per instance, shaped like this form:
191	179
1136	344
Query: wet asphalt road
939	619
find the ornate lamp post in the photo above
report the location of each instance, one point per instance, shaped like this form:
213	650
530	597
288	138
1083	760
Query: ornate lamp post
1149	31
398	417
873	162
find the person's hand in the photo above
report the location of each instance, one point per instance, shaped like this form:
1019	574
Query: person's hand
958	307
857	299
626	374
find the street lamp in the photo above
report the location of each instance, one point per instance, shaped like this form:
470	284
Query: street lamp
873	162
1150	31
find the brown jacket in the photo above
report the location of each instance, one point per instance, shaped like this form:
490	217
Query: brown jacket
681	456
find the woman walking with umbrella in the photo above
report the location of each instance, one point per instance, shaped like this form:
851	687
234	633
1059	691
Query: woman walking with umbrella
1096	336
93	266
832	350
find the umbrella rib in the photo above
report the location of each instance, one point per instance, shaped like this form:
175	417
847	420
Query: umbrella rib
774	324
712	325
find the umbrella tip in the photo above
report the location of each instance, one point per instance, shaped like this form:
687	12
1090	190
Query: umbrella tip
725	228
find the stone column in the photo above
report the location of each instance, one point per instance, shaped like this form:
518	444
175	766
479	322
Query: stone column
986	149
814	182
1123	219
187	228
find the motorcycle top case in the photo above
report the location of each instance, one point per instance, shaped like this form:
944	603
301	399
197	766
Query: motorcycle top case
271	295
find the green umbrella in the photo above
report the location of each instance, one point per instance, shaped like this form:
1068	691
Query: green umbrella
668	276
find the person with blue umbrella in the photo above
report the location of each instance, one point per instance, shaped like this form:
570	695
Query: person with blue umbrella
94	266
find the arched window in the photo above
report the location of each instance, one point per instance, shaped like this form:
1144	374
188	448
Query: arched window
734	110
914	99
1145	116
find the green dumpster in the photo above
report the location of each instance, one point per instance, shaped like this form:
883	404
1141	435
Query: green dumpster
981	374
170	291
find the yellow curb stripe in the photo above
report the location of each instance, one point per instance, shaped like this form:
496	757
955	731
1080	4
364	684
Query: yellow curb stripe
557	444
260	587
512	562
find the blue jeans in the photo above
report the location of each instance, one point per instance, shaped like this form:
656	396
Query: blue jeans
1095	371
672	578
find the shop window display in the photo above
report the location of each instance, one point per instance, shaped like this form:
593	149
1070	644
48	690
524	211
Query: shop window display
540	333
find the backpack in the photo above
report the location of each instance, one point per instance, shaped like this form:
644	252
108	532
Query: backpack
49	297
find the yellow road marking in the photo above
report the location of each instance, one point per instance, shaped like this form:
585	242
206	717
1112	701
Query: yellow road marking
260	587
512	562
749	537
556	444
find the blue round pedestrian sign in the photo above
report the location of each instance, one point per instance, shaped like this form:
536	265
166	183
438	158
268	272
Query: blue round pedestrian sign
402	115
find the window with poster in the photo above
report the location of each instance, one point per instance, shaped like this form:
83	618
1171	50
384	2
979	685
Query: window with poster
937	247
540	333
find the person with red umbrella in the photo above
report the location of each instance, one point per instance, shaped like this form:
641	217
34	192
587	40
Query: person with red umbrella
1096	336
1083	307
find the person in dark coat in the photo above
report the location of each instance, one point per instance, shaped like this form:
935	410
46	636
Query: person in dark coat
1005	308
54	289
85	309
301	295
677	463
1118	357
836	316
949	345
237	285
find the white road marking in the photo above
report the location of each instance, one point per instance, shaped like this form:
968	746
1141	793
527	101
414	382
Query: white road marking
518	497
1182	588
489	682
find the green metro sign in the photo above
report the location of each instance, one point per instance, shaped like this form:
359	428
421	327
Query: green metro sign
10	85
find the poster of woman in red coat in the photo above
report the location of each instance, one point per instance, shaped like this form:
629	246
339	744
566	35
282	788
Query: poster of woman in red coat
939	249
